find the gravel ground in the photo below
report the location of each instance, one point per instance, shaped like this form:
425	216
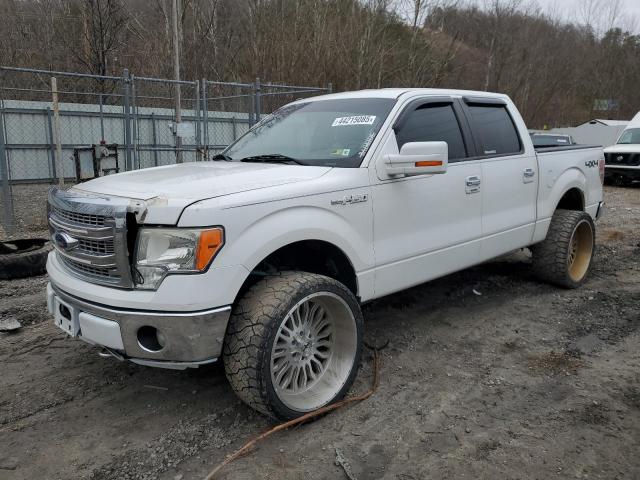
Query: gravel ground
522	381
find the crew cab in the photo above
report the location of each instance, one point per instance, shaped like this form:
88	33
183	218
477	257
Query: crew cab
263	255
622	160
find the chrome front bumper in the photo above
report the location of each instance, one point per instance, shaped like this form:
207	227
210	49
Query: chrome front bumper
190	339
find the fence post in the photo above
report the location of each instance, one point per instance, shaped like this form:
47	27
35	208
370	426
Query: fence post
127	120
205	118
257	99
134	124
252	106
101	117
235	128
52	147
329	87
56	129
154	137
197	121
7	199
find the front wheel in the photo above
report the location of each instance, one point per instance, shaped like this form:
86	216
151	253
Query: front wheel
565	256
293	344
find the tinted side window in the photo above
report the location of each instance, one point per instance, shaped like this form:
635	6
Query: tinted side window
434	122
495	130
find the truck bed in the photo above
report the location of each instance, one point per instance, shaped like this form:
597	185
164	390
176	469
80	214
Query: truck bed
564	148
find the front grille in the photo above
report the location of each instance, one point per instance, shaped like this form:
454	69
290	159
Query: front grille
627	159
100	272
96	247
91	237
80	218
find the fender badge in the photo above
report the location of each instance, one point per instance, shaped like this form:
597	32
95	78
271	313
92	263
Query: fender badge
349	199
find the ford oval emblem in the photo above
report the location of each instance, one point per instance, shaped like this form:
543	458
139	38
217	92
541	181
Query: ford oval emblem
65	241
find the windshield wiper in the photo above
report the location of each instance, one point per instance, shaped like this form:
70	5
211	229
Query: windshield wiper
222	156
271	158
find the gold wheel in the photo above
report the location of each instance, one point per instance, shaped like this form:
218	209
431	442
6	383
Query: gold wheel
580	250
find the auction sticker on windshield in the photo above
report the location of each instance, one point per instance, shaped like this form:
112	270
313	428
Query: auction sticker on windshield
354	120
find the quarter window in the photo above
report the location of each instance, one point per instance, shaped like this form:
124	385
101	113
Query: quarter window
433	122
495	130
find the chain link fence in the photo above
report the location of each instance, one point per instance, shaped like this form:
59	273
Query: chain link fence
55	125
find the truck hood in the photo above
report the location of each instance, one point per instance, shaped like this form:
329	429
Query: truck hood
198	181
623	148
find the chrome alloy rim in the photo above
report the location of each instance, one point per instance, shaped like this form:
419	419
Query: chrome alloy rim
313	351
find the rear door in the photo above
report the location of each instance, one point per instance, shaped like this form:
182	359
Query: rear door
427	225
509	175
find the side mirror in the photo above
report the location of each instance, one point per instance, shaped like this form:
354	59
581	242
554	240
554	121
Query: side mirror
418	158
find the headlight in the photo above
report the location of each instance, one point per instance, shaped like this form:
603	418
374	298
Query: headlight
160	251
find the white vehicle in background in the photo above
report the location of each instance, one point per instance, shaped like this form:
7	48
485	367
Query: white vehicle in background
622	160
263	256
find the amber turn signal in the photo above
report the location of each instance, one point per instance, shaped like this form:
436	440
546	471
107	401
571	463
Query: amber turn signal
209	244
429	163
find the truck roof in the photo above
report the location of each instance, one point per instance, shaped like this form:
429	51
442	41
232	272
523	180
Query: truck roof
397	92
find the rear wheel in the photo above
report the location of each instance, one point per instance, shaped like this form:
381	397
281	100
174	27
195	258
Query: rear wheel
564	257
293	344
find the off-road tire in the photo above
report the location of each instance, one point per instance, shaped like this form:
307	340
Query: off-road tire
551	256
252	329
23	258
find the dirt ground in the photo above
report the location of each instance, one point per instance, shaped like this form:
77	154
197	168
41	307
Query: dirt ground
30	211
522	381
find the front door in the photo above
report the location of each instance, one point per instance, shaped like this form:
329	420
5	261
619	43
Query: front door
429	225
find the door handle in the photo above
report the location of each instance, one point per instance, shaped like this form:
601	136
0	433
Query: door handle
472	184
528	174
473	181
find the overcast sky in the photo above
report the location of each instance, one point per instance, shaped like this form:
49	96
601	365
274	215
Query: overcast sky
574	10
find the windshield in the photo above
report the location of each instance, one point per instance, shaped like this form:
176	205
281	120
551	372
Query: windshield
333	133
631	135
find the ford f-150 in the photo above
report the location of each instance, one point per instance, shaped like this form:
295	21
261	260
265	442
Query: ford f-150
263	255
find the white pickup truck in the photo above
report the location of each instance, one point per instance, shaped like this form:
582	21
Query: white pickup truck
263	256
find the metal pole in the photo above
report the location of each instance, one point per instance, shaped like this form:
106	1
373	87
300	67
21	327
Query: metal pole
176	75
127	121
101	118
205	116
235	129
52	147
252	107
198	126
258	99
134	127
7	199
154	138
56	130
